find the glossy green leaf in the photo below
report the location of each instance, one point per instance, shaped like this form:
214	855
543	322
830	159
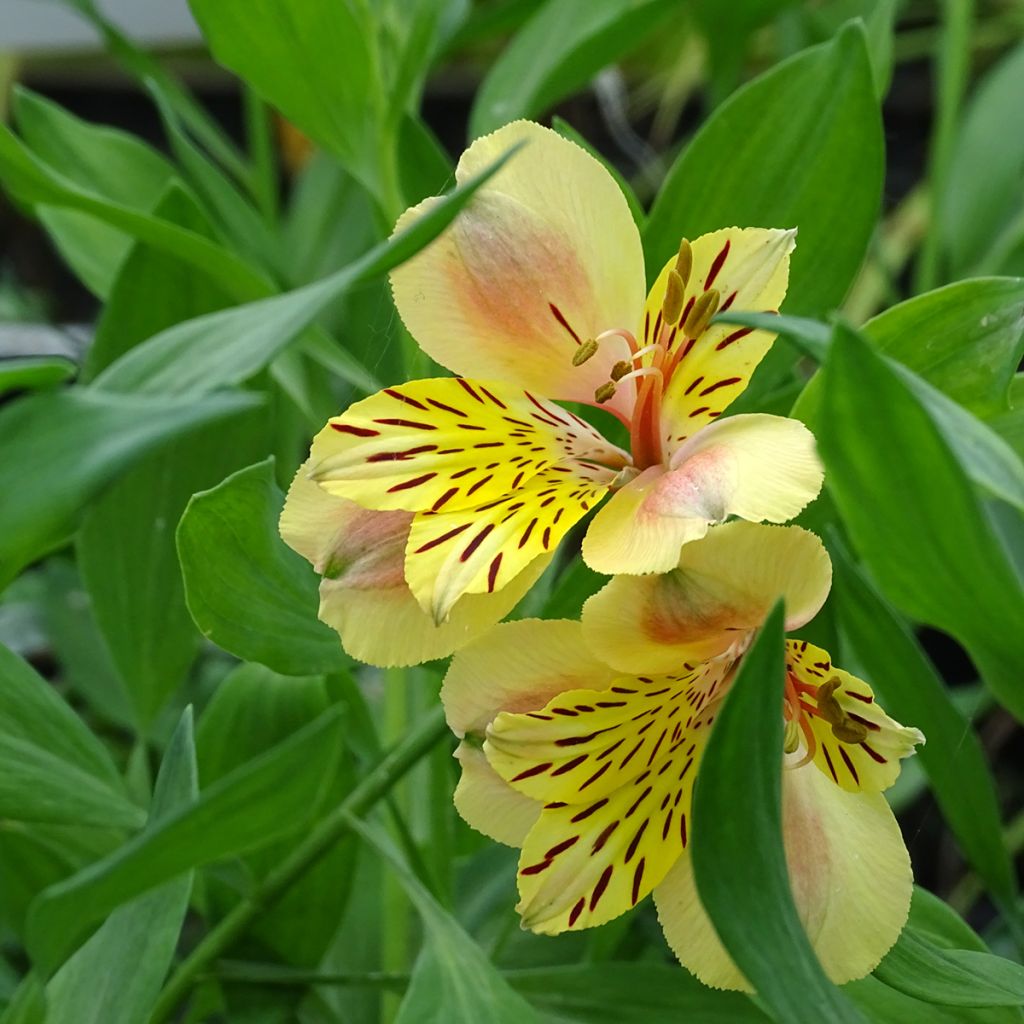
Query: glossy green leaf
256	804
64	446
101	160
247	591
34	373
116	976
629	993
316	62
452	979
912	692
885	1005
28	1006
52	768
923	970
801	147
983	195
228	347
738	858
914	517
558	50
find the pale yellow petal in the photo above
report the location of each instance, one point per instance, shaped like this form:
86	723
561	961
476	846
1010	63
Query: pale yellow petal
627	536
489	804
545	256
755	466
720	589
749	267
849	872
518	666
866	759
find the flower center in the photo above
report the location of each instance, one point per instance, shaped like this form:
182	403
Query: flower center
802	703
679	323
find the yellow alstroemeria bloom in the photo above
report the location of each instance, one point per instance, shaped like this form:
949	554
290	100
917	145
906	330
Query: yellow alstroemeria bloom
582	741
535	292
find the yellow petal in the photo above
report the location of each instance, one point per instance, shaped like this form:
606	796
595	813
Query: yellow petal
480	550
720	589
364	596
849	872
489	804
546	256
749	267
518	666
615	769
871	764
448	444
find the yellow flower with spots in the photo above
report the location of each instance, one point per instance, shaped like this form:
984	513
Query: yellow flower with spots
582	741
537	292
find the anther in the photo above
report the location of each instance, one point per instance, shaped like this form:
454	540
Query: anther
703	310
844	728
604	392
849	731
791	738
584	352
672	304
684	262
620	369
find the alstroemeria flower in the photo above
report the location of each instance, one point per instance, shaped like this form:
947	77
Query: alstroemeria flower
582	742
536	292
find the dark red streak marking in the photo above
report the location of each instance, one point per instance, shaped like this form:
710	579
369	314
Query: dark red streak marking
440	540
476	542
735	336
414	482
347	428
716	266
405	399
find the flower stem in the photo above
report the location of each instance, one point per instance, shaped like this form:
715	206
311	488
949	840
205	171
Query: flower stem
325	834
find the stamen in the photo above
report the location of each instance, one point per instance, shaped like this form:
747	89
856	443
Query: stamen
644	371
604	392
640	353
684	262
672	304
703	310
844	728
620	369
619	332
584	352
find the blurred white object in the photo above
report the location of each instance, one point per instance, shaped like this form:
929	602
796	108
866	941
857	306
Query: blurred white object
42	26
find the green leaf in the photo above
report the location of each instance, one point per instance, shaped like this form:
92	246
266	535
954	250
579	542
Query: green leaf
173	289
116	976
98	159
452	979
31	180
982	453
558	50
247	591
884	1005
256	804
64	446
228	347
738	858
28	1005
34	373
52	768
913	693
919	968
801	147
982	198
629	993
890	472
252	710
316	62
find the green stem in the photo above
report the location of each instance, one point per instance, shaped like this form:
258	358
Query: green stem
952	67
296	977
324	836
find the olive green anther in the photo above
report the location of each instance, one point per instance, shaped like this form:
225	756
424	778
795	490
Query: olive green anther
844	728
684	262
620	369
672	304
584	352
604	392
849	731
791	738
703	310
